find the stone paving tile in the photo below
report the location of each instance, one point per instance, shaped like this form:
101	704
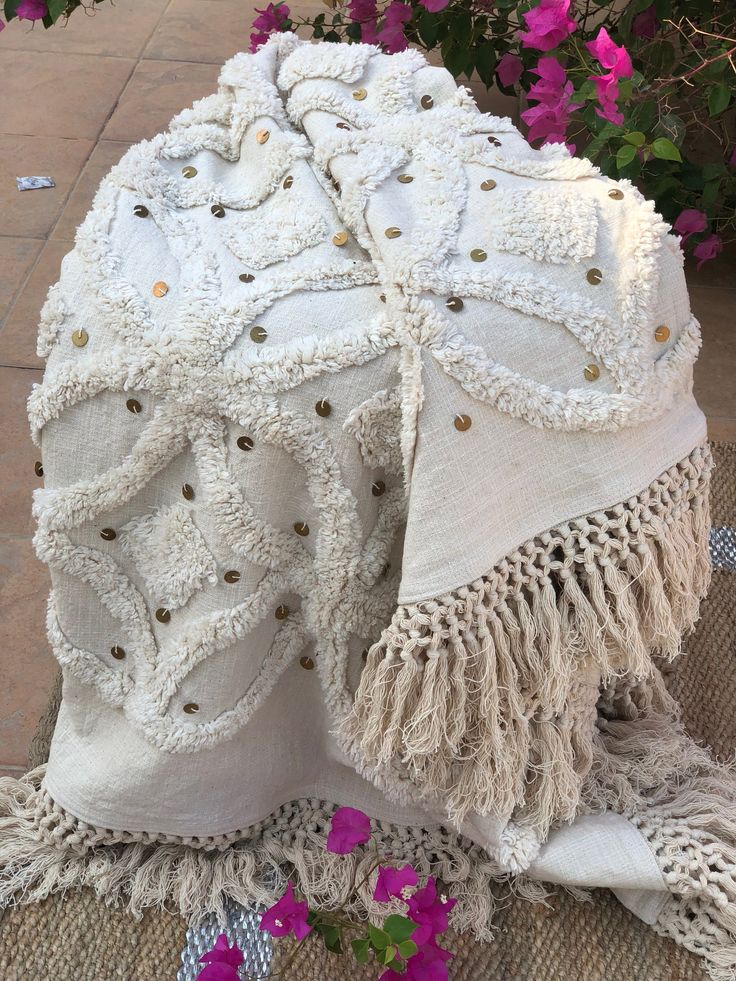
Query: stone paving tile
17	256
33	213
104	156
208	31
18	335
157	91
29	668
49	93
17	454
118	29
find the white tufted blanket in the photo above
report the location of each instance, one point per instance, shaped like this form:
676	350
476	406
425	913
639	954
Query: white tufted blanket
373	476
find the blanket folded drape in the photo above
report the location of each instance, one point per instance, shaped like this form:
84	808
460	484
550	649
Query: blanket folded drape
373	476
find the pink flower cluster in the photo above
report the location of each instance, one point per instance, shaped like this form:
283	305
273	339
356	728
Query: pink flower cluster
428	911
269	21
692	222
616	59
548	119
548	25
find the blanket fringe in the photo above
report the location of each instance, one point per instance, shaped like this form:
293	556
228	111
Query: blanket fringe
44	850
486	698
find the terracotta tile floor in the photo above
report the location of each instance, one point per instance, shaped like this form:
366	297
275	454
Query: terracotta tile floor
74	99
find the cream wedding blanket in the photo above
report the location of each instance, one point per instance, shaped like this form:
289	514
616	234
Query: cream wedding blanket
373	476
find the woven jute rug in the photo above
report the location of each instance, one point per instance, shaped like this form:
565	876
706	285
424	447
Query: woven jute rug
76	937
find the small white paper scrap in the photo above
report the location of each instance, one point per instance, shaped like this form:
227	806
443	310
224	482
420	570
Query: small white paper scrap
31	183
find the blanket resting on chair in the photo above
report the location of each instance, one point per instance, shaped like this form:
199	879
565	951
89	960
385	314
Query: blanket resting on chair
373	477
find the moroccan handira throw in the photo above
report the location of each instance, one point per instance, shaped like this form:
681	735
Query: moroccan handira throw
373	477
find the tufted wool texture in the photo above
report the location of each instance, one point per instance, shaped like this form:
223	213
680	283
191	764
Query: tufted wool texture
370	480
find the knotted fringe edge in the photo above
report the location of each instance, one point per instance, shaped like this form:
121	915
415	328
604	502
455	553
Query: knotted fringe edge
486	698
44	850
683	803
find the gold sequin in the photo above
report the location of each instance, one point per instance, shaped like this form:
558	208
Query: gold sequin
281	612
134	406
662	334
426	102
594	276
493	141
117	652
359	95
163	615
38	468
591	372
616	194
323	408
189	171
245	443
79	337
218	211
478	255
232	575
307	663
246	277
487	185
301	528
258	334
342	125
392	232
463	423
378	488
404	178
141	211
455	304
262	136
191	708
288	181
187	492
160	288
108	534
340	238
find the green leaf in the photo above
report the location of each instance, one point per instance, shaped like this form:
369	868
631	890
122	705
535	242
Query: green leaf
332	36
56	9
388	955
399	928
485	62
428	27
318	31
718	99
361	949
331	936
665	149
379	938
673	127
636	138
625	155
354	31
407	949
10	8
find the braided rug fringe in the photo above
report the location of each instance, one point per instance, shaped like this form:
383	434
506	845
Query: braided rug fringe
44	849
486	697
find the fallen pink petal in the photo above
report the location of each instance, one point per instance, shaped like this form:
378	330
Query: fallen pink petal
349	827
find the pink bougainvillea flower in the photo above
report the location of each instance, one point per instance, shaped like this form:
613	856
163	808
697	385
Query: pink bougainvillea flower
708	249
365	13
287	916
509	69
645	24
690	222
549	119
393	883
349	827
428	964
267	22
434	6
616	59
392	35
31	9
429	912
549	25
222	962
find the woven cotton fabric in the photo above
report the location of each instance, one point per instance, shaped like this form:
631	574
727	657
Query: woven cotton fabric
373	477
